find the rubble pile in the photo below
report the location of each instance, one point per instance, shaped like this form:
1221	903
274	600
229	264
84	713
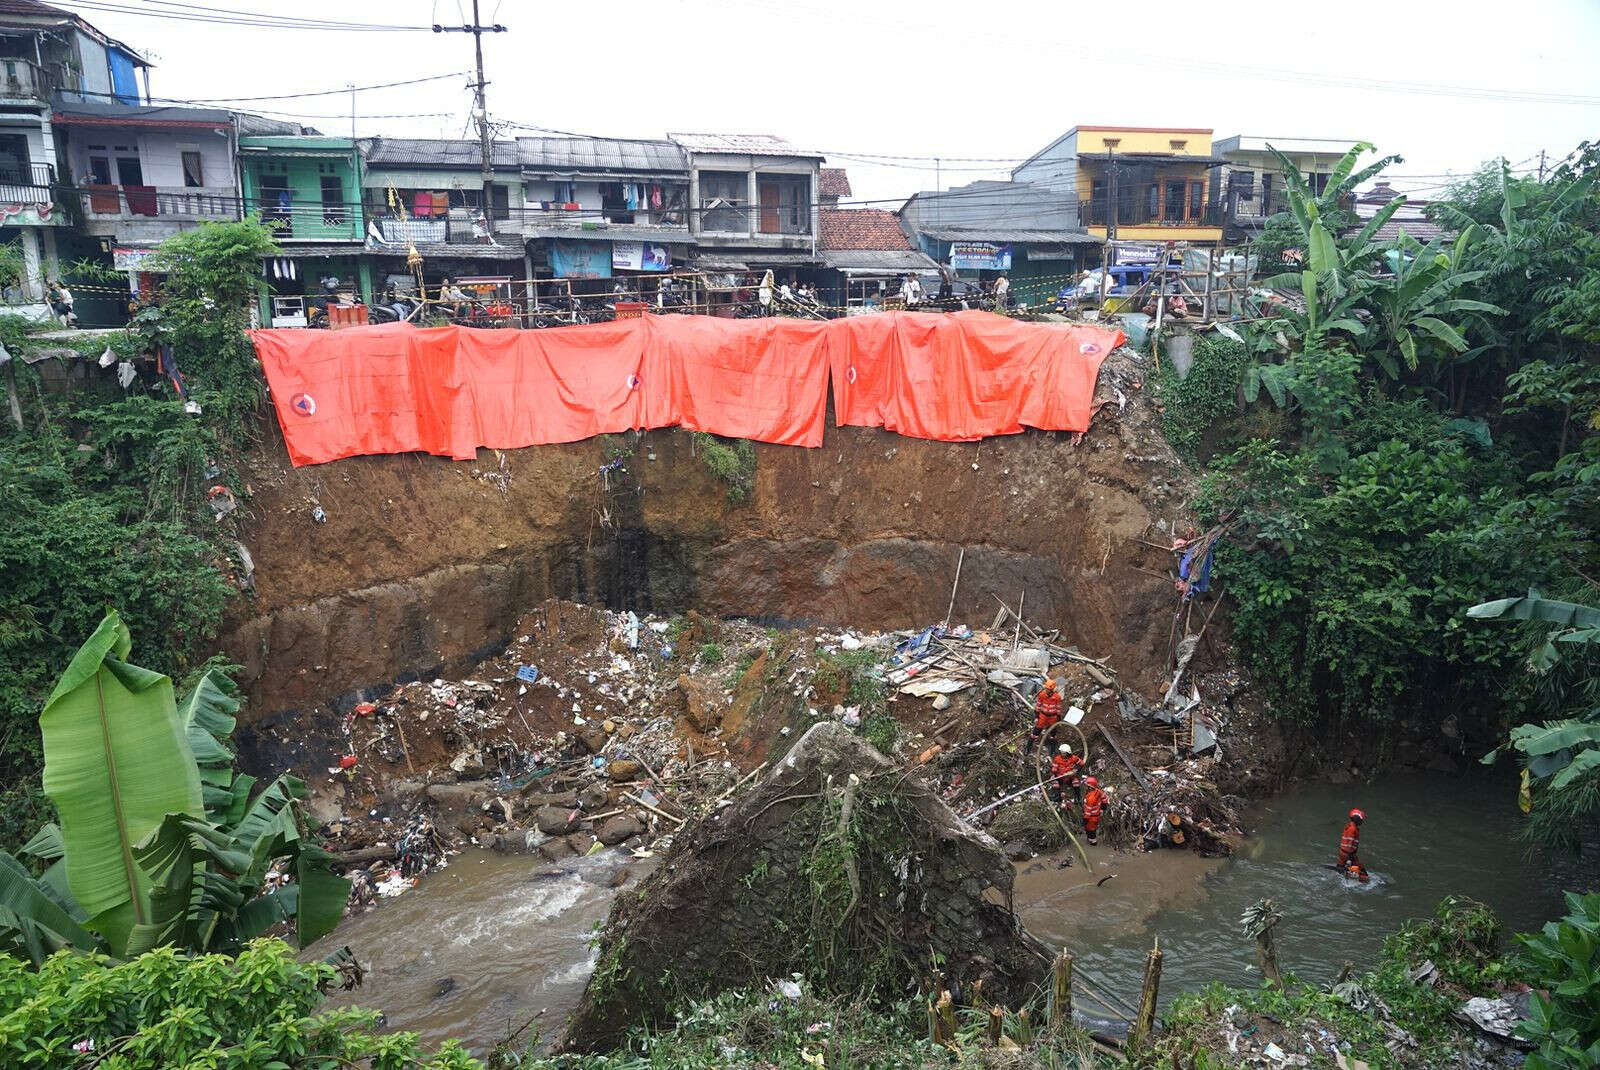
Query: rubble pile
835	866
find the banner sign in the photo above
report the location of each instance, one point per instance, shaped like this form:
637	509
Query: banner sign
127	258
979	256
573	259
639	256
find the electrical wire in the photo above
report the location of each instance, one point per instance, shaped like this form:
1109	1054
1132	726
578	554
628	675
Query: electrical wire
234	17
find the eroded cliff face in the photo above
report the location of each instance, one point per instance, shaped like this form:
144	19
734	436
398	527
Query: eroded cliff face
424	562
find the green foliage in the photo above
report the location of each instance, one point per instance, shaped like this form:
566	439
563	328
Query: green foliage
105	496
144	858
1199	407
163	1010
1462	939
1565	1017
1349	585
732	461
711	654
12	265
882	731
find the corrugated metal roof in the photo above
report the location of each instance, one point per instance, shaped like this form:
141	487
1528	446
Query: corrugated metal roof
435	152
111	112
1017	235
742	144
877	260
599	154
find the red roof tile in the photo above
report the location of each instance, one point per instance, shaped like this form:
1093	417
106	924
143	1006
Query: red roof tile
833	182
861	228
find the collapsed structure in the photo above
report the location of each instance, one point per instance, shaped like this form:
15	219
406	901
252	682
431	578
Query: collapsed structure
837	866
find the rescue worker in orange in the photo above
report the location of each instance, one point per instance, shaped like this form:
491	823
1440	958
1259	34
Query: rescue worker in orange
1064	770
1349	845
1094	805
1047	711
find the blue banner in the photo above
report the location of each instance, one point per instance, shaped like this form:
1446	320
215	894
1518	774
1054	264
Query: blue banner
572	259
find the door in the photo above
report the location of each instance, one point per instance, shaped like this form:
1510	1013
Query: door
277	204
771	218
1174	203
129	171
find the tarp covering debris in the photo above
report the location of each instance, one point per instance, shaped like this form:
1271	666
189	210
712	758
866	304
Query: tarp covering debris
450	390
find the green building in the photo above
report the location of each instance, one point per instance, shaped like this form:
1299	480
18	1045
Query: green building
307	188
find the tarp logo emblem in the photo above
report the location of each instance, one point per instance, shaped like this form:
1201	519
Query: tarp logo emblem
1088	347
304	404
633	381
850	374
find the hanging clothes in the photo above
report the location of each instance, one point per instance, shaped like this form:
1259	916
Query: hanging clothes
167	364
655	196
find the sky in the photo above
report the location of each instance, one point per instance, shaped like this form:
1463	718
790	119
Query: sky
954	91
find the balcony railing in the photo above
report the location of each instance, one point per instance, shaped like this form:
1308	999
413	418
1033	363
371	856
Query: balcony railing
160	202
1097	214
26	183
1253	203
309	220
23	79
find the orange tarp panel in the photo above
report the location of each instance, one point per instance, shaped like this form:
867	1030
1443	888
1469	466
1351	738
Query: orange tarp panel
967	375
395	388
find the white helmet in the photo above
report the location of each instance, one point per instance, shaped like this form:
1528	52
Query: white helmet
1065	748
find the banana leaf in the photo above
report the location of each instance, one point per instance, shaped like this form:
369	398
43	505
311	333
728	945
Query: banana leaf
116	764
31	921
1532	607
207	716
1552	736
179	857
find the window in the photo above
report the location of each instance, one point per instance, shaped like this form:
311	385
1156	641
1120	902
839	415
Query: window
332	201
1177	145
723	201
1266	192
1174	203
100	171
1318	183
1197	200
193	171
500	201
1152	205
129	171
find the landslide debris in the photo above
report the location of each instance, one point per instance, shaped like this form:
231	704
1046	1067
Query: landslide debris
837	866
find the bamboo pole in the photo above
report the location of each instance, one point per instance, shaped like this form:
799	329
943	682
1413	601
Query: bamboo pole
1146	1019
997	1024
947	1017
1061	1003
948	613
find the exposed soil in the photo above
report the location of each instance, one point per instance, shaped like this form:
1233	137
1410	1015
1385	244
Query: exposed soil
423	564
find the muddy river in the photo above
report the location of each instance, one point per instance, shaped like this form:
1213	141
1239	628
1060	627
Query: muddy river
492	940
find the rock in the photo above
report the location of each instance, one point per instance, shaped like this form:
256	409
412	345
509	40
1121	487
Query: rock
569	799
941	702
580	842
624	769
1018	852
594	797
555	820
625	731
608	726
555	849
444	986
459	796
703	702
593	738
614	830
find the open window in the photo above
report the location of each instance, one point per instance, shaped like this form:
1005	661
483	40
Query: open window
194	174
724	199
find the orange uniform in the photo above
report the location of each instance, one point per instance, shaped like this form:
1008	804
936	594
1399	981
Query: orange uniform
1064	768
1094	805
1349	844
1048	709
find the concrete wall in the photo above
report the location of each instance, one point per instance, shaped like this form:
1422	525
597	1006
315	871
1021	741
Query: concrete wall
96	68
159	153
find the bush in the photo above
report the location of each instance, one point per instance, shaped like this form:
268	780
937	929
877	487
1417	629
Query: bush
1462	939
882	731
1565	1017
711	654
161	1010
732	461
1200	408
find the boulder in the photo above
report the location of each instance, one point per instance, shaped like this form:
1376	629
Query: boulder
592	737
624	769
556	820
613	831
703	703
594	797
555	849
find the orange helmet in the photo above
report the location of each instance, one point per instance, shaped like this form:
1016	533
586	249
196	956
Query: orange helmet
1093	782
1357	815
1049	683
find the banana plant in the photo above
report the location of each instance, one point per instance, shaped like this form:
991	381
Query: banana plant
160	843
1417	300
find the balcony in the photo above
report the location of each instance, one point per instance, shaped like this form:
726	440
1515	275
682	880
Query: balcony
22	79
22	183
175	203
309	220
1096	213
1252	204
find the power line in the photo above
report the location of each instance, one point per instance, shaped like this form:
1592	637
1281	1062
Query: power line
234	17
326	92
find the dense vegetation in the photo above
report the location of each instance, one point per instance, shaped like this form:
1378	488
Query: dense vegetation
1418	432
106	490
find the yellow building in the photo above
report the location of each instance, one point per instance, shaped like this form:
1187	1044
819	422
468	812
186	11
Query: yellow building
1157	178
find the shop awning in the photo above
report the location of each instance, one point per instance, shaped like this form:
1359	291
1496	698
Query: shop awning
611	232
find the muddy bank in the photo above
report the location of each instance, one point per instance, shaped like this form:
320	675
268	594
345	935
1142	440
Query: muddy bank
423	563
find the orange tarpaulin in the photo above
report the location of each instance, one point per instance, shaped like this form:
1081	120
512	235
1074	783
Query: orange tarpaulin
450	390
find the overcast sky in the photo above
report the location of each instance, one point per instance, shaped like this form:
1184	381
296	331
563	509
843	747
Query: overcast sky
1446	83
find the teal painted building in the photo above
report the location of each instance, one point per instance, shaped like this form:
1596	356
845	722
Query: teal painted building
307	188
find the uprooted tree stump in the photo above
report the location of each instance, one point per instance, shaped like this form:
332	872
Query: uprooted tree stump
836	866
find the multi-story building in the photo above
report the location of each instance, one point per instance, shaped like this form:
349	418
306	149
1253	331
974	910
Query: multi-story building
752	202
47	56
1249	185
1133	183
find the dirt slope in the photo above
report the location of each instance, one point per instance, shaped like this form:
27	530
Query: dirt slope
423	562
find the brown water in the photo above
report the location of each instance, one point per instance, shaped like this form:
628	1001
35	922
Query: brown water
480	947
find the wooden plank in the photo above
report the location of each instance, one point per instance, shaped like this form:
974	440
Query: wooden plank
1143	781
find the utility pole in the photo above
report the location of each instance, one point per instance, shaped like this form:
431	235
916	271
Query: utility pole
485	138
1541	165
1111	206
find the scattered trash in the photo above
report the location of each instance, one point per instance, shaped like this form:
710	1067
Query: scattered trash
318	515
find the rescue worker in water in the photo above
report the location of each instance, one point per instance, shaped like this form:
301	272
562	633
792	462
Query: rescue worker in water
1349	845
1094	805
1064	770
1047	712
